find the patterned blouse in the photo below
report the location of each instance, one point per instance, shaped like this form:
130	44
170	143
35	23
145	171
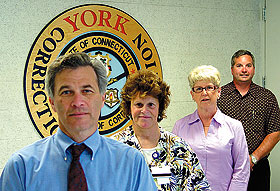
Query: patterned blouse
186	171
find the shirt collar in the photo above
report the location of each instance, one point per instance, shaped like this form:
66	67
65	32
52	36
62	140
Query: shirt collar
132	138
253	89
63	142
231	87
194	118
93	142
218	117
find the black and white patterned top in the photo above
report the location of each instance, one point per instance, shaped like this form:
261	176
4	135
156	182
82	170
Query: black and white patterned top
186	171
258	111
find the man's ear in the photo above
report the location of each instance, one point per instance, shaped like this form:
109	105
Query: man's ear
103	99
52	103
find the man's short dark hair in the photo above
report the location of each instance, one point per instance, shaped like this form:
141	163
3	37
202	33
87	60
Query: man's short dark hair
241	53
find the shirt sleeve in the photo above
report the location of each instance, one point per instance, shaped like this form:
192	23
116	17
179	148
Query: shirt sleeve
273	114
12	175
241	163
143	176
188	167
176	128
197	177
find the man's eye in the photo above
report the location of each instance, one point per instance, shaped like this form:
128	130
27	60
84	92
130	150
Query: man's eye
66	92
199	89
87	91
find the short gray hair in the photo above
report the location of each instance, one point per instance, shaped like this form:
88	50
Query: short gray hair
204	72
73	61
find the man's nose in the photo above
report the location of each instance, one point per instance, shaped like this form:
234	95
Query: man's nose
244	69
78	100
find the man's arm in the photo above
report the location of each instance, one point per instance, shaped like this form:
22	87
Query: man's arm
11	178
143	179
266	146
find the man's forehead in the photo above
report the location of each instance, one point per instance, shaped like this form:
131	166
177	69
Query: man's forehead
68	86
80	72
242	58
82	77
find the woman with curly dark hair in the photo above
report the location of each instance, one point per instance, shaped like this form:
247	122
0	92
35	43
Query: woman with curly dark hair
145	98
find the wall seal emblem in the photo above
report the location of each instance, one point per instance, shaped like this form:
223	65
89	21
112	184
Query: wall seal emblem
105	33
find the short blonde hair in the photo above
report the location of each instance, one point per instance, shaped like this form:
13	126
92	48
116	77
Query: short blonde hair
204	72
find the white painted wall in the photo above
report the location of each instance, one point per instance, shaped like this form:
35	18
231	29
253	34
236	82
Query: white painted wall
272	75
186	33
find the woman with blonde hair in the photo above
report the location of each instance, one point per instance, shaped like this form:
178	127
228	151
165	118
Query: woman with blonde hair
218	140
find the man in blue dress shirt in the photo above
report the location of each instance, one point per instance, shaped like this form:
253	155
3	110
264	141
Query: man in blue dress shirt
76	86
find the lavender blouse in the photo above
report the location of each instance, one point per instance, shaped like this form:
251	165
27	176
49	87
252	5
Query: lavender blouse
223	153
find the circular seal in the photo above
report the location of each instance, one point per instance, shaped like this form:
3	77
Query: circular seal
105	33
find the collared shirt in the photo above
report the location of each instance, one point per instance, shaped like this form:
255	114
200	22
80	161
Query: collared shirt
223	153
108	165
258	111
186	171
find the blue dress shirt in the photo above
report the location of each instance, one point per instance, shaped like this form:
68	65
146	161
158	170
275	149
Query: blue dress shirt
108	165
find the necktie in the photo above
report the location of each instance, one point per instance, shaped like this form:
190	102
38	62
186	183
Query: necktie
76	176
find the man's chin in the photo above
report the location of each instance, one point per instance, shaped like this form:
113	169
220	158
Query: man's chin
80	125
244	80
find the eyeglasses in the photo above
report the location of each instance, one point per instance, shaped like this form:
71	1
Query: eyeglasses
207	88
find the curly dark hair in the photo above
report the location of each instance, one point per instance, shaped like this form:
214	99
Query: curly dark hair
146	83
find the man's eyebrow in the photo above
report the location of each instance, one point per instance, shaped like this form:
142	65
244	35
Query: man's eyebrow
68	87
63	87
88	86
